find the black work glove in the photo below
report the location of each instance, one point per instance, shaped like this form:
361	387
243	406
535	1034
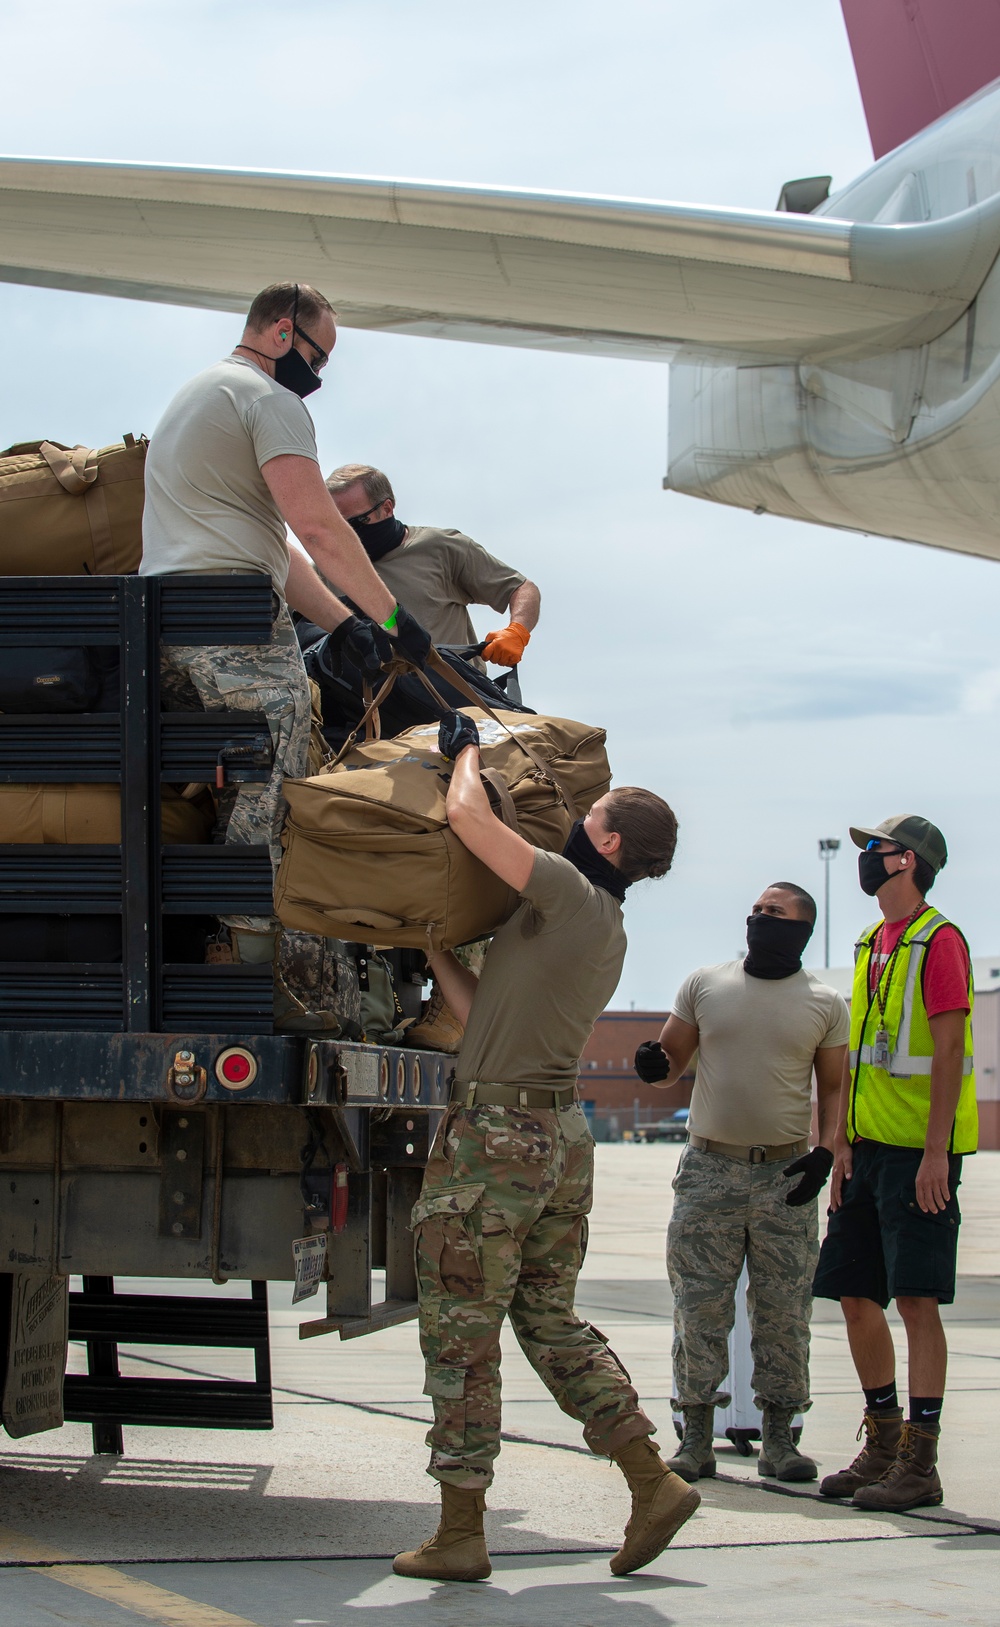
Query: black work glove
456	732
363	643
814	1167
651	1062
413	640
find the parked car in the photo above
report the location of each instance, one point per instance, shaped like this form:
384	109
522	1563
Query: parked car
672	1129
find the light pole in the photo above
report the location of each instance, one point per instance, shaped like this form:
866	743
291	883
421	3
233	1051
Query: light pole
828	848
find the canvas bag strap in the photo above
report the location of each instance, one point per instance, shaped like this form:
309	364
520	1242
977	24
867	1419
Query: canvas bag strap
456	681
75	469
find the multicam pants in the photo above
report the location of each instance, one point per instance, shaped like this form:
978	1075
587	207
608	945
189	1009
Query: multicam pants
726	1212
268	678
500	1230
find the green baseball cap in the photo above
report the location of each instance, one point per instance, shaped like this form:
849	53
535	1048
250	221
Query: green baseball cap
910	831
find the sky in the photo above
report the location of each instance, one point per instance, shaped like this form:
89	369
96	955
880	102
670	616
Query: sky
774	681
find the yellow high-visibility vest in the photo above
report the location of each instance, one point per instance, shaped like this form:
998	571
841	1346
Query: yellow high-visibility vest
891	1082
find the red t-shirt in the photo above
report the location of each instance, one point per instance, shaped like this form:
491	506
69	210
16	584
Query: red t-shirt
946	969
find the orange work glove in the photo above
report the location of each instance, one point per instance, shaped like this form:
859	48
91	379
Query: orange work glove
506	647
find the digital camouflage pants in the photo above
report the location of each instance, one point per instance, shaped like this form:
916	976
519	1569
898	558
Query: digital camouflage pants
727	1212
500	1230
267	678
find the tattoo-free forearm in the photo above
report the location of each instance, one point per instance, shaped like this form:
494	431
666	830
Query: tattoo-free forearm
525	605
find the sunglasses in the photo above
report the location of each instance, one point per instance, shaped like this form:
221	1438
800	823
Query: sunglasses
874	844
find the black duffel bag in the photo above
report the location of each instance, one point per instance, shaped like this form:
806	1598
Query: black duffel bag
66	678
408	702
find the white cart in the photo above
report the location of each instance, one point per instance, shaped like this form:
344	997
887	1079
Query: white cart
740	1421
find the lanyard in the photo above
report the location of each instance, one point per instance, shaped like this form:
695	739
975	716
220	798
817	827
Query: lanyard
885	976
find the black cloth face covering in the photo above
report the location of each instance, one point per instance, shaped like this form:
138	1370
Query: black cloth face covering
775	945
580	850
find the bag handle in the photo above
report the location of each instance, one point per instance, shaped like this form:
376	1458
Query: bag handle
455	679
508	812
75	469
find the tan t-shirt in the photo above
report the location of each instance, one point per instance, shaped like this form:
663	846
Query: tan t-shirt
437	574
757	1038
549	973
207	503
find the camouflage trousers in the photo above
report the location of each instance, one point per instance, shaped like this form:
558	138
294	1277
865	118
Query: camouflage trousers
725	1213
500	1230
267	678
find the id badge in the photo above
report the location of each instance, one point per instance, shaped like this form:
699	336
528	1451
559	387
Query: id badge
880	1050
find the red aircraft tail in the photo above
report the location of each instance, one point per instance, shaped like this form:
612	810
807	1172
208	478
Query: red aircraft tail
915	59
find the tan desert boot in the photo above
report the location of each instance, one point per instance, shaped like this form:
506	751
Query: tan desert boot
661	1502
457	1550
438	1029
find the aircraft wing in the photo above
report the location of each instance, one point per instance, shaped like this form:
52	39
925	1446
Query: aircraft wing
608	276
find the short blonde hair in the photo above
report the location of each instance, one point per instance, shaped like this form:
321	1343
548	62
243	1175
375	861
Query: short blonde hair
376	485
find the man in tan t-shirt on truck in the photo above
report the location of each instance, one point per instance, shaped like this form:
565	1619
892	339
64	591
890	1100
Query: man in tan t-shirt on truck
438	573
761	1026
233	461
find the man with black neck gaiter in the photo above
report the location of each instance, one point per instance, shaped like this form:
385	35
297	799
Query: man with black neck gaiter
747	1183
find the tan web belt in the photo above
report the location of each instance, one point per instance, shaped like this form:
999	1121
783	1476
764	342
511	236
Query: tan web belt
477	1094
750	1155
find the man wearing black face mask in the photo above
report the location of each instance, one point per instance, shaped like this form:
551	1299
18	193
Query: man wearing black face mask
907	1116
761	1026
233	461
438	574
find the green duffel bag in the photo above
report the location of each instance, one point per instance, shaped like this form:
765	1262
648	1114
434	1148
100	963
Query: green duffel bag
369	854
71	510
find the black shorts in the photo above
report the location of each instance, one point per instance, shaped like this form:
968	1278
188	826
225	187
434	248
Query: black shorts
880	1244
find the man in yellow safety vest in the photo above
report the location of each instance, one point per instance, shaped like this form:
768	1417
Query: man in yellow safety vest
908	1114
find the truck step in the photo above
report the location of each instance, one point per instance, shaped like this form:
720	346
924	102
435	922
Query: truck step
104	1399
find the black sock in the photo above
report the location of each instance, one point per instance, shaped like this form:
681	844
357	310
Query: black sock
926	1409
884	1398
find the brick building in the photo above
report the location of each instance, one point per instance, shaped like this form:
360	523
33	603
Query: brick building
607	1078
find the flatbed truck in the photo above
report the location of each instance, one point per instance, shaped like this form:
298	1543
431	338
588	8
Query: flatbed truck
152	1122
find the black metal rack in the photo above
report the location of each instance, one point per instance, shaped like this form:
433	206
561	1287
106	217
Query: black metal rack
104	1399
139	748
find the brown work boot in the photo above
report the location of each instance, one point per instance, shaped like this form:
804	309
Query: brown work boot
694	1459
912	1481
661	1502
779	1455
457	1550
882	1431
438	1029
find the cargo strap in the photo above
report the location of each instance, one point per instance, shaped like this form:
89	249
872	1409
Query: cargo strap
475	1094
397	667
750	1155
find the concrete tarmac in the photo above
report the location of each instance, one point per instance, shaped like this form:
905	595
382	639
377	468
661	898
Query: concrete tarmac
294	1528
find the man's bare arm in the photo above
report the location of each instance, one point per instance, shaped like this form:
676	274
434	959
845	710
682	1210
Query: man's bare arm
306	506
309	596
829	1065
843	1153
525	605
456	982
680	1041
948	1033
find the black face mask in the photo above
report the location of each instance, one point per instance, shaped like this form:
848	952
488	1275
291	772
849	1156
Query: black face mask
872	872
775	945
293	372
379	537
580	850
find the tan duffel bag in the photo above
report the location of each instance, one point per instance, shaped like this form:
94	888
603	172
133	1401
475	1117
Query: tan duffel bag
92	813
71	511
369	855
